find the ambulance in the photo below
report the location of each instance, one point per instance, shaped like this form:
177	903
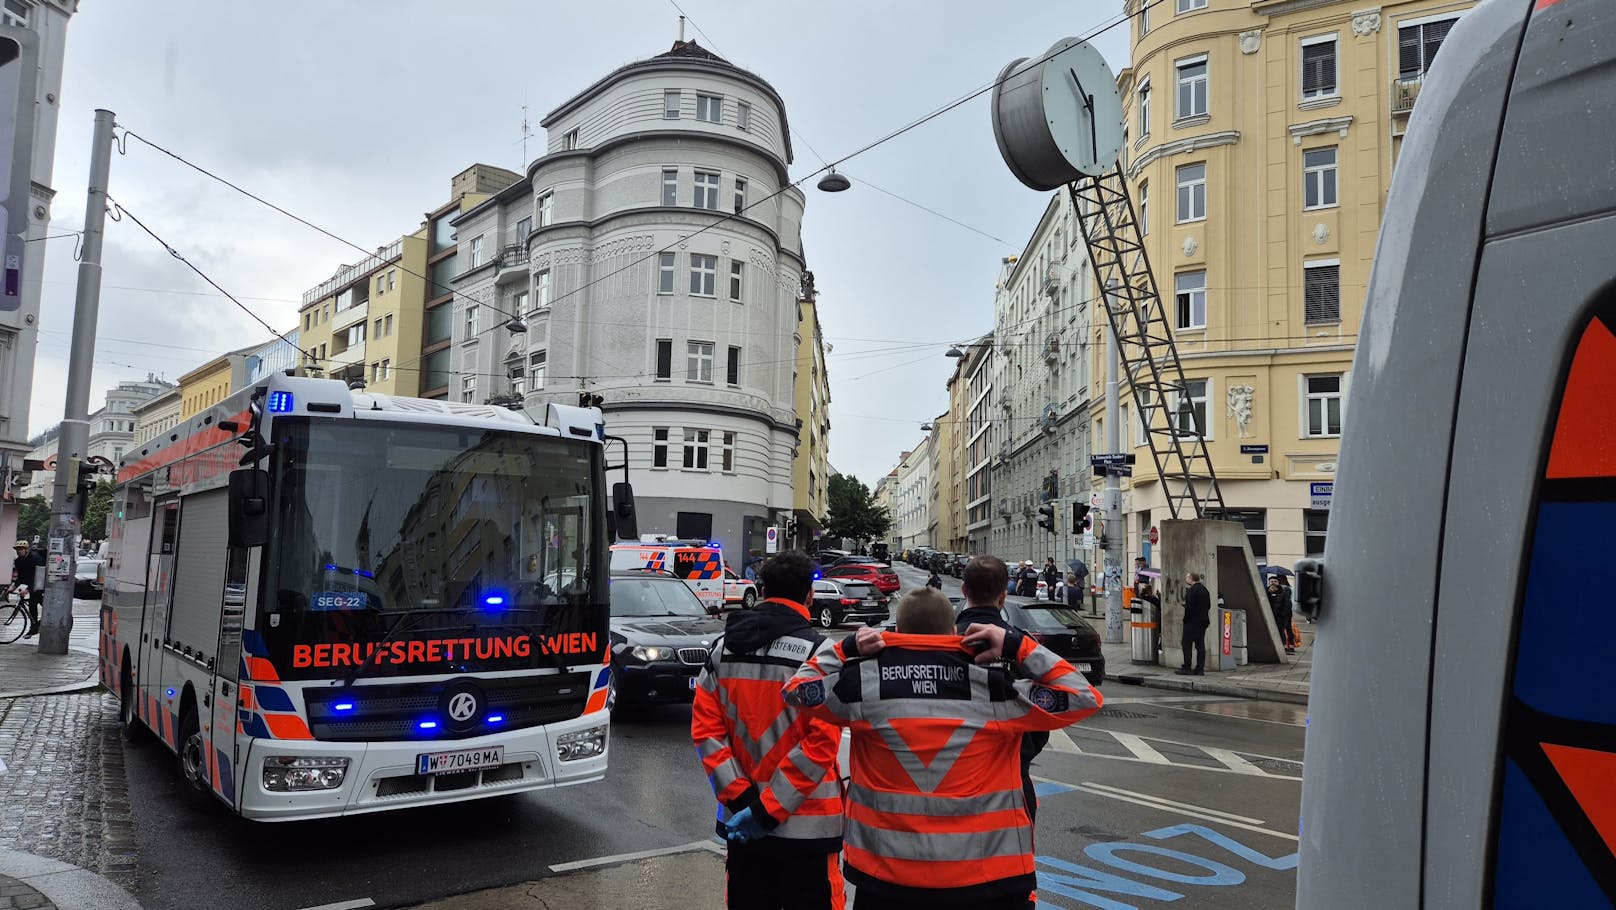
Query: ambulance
699	564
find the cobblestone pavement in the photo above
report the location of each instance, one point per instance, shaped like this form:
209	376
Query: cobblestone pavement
15	895
64	789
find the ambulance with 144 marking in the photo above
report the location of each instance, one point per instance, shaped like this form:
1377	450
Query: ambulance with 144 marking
329	602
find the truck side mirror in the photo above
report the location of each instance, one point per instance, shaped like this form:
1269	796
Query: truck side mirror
249	507
627	525
1309	587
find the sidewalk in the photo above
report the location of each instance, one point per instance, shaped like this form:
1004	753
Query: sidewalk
1269	682
63	794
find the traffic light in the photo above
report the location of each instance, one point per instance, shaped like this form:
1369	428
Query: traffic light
1047	518
1080	517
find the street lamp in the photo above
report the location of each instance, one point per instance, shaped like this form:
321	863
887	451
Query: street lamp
834	182
954	351
515	326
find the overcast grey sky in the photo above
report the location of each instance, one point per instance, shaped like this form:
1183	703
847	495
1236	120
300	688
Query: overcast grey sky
355	114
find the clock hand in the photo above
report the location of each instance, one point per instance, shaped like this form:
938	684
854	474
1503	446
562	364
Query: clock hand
1088	104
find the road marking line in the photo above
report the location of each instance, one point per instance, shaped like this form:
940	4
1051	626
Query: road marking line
1178	742
1140	749
345	905
1210	818
1209	768
1260	720
1061	741
1174	803
1233	761
641	854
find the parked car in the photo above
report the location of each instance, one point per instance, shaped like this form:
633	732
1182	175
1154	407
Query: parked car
1062	630
872	573
881	552
660	635
920	557
838	601
89	580
956	565
739	590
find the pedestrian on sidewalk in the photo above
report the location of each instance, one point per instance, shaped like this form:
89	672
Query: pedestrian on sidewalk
983	576
1280	606
1027	579
1197	619
952	829
24	572
935	581
1051	577
773	769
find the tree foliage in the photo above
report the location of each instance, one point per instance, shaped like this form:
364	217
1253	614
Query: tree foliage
33	519
853	512
95	512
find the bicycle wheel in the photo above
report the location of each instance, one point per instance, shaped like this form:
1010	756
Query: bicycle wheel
15	624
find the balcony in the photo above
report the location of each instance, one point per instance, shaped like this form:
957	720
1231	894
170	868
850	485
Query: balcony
1051	283
513	254
1052	350
1404	91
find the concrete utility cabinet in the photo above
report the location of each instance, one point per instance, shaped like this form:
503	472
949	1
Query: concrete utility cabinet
1219	551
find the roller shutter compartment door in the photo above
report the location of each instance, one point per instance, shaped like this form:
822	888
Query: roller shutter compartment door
199	573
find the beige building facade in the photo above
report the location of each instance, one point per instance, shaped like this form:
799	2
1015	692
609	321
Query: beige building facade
1261	143
810	466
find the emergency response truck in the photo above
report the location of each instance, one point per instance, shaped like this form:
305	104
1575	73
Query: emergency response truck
699	565
329	602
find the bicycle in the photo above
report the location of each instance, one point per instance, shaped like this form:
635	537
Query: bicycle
13	615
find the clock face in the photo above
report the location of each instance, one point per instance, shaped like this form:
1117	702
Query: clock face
1081	106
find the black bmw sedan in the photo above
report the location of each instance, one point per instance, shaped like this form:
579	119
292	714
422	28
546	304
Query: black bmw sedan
661	634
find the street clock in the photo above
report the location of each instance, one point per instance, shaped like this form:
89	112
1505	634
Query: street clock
1058	117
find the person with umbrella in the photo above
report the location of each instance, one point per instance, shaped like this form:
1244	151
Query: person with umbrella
1279	603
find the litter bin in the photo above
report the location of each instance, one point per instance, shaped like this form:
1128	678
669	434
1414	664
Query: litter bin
1238	645
1141	633
1224	648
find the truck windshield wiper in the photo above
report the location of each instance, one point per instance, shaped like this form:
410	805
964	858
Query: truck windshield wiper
402	624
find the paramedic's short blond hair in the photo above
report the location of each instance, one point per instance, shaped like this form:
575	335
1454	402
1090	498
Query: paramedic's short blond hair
925	611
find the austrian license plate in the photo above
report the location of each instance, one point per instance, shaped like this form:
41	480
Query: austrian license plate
1084	668
463	760
692	683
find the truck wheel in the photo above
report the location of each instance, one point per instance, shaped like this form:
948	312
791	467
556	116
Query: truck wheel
748	600
193	754
128	717
827	618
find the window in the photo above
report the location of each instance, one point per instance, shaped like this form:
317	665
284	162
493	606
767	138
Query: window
1321	291
706	190
1191	192
392	279
305	322
1143	101
516	374
1144	19
523	228
1144	207
376	330
1322	396
541	288
1318	178
387	369
471	321
376	372
703	275
695	449
665	273
1190	6
387	324
709	108
537	362
519	303
670	186
732	367
670	105
356	334
659	447
1315	525
664	358
737	274
1256	522
570	141
381	283
546	209
740	194
1190	293
1189	409
1417	44
726	453
743	116
476	251
1192	87
15	14
1318	67
699	361
468	389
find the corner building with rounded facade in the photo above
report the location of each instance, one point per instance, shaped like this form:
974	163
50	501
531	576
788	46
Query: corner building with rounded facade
654	260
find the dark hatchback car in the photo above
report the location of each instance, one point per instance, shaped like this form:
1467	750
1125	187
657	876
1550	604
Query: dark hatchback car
661	634
837	601
88	582
1063	630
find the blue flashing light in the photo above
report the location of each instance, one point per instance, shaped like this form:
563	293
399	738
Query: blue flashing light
170	693
330	567
342	706
496	718
494	600
428	725
279	403
364	573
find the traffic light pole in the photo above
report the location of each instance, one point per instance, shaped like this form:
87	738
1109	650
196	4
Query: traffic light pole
1113	490
61	554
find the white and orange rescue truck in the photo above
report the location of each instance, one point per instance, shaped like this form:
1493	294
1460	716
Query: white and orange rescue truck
329	602
698	564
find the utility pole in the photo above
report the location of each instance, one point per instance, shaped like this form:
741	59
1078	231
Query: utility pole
62	547
1113	485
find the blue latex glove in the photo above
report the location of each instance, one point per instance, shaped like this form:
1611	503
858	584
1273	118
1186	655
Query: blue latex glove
744	827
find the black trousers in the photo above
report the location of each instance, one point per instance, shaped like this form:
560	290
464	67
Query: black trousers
866	901
769	875
1195	637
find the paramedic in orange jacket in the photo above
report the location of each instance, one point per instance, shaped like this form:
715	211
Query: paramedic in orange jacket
772	768
936	815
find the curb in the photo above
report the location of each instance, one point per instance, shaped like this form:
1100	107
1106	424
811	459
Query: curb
1207	687
93	681
64	884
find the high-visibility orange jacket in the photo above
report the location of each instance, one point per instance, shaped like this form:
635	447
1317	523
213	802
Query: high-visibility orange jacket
759	751
935	808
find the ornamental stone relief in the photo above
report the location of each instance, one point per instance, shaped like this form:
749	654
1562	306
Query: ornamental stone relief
1239	399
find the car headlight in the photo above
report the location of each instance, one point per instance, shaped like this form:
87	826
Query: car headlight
581	744
649	653
283	773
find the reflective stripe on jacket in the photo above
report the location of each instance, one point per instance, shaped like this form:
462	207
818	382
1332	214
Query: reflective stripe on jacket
935	810
761	752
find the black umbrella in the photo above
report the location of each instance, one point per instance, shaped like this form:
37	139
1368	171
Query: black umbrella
1281	571
1077	567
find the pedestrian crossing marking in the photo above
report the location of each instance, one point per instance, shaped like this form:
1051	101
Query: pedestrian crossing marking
1140	749
1114	746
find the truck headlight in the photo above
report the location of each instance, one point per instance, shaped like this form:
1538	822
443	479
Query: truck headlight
283	773
648	654
581	744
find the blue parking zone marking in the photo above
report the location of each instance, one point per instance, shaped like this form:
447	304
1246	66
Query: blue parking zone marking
1049	788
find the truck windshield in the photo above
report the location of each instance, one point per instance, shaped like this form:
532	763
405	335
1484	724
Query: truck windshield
375	522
